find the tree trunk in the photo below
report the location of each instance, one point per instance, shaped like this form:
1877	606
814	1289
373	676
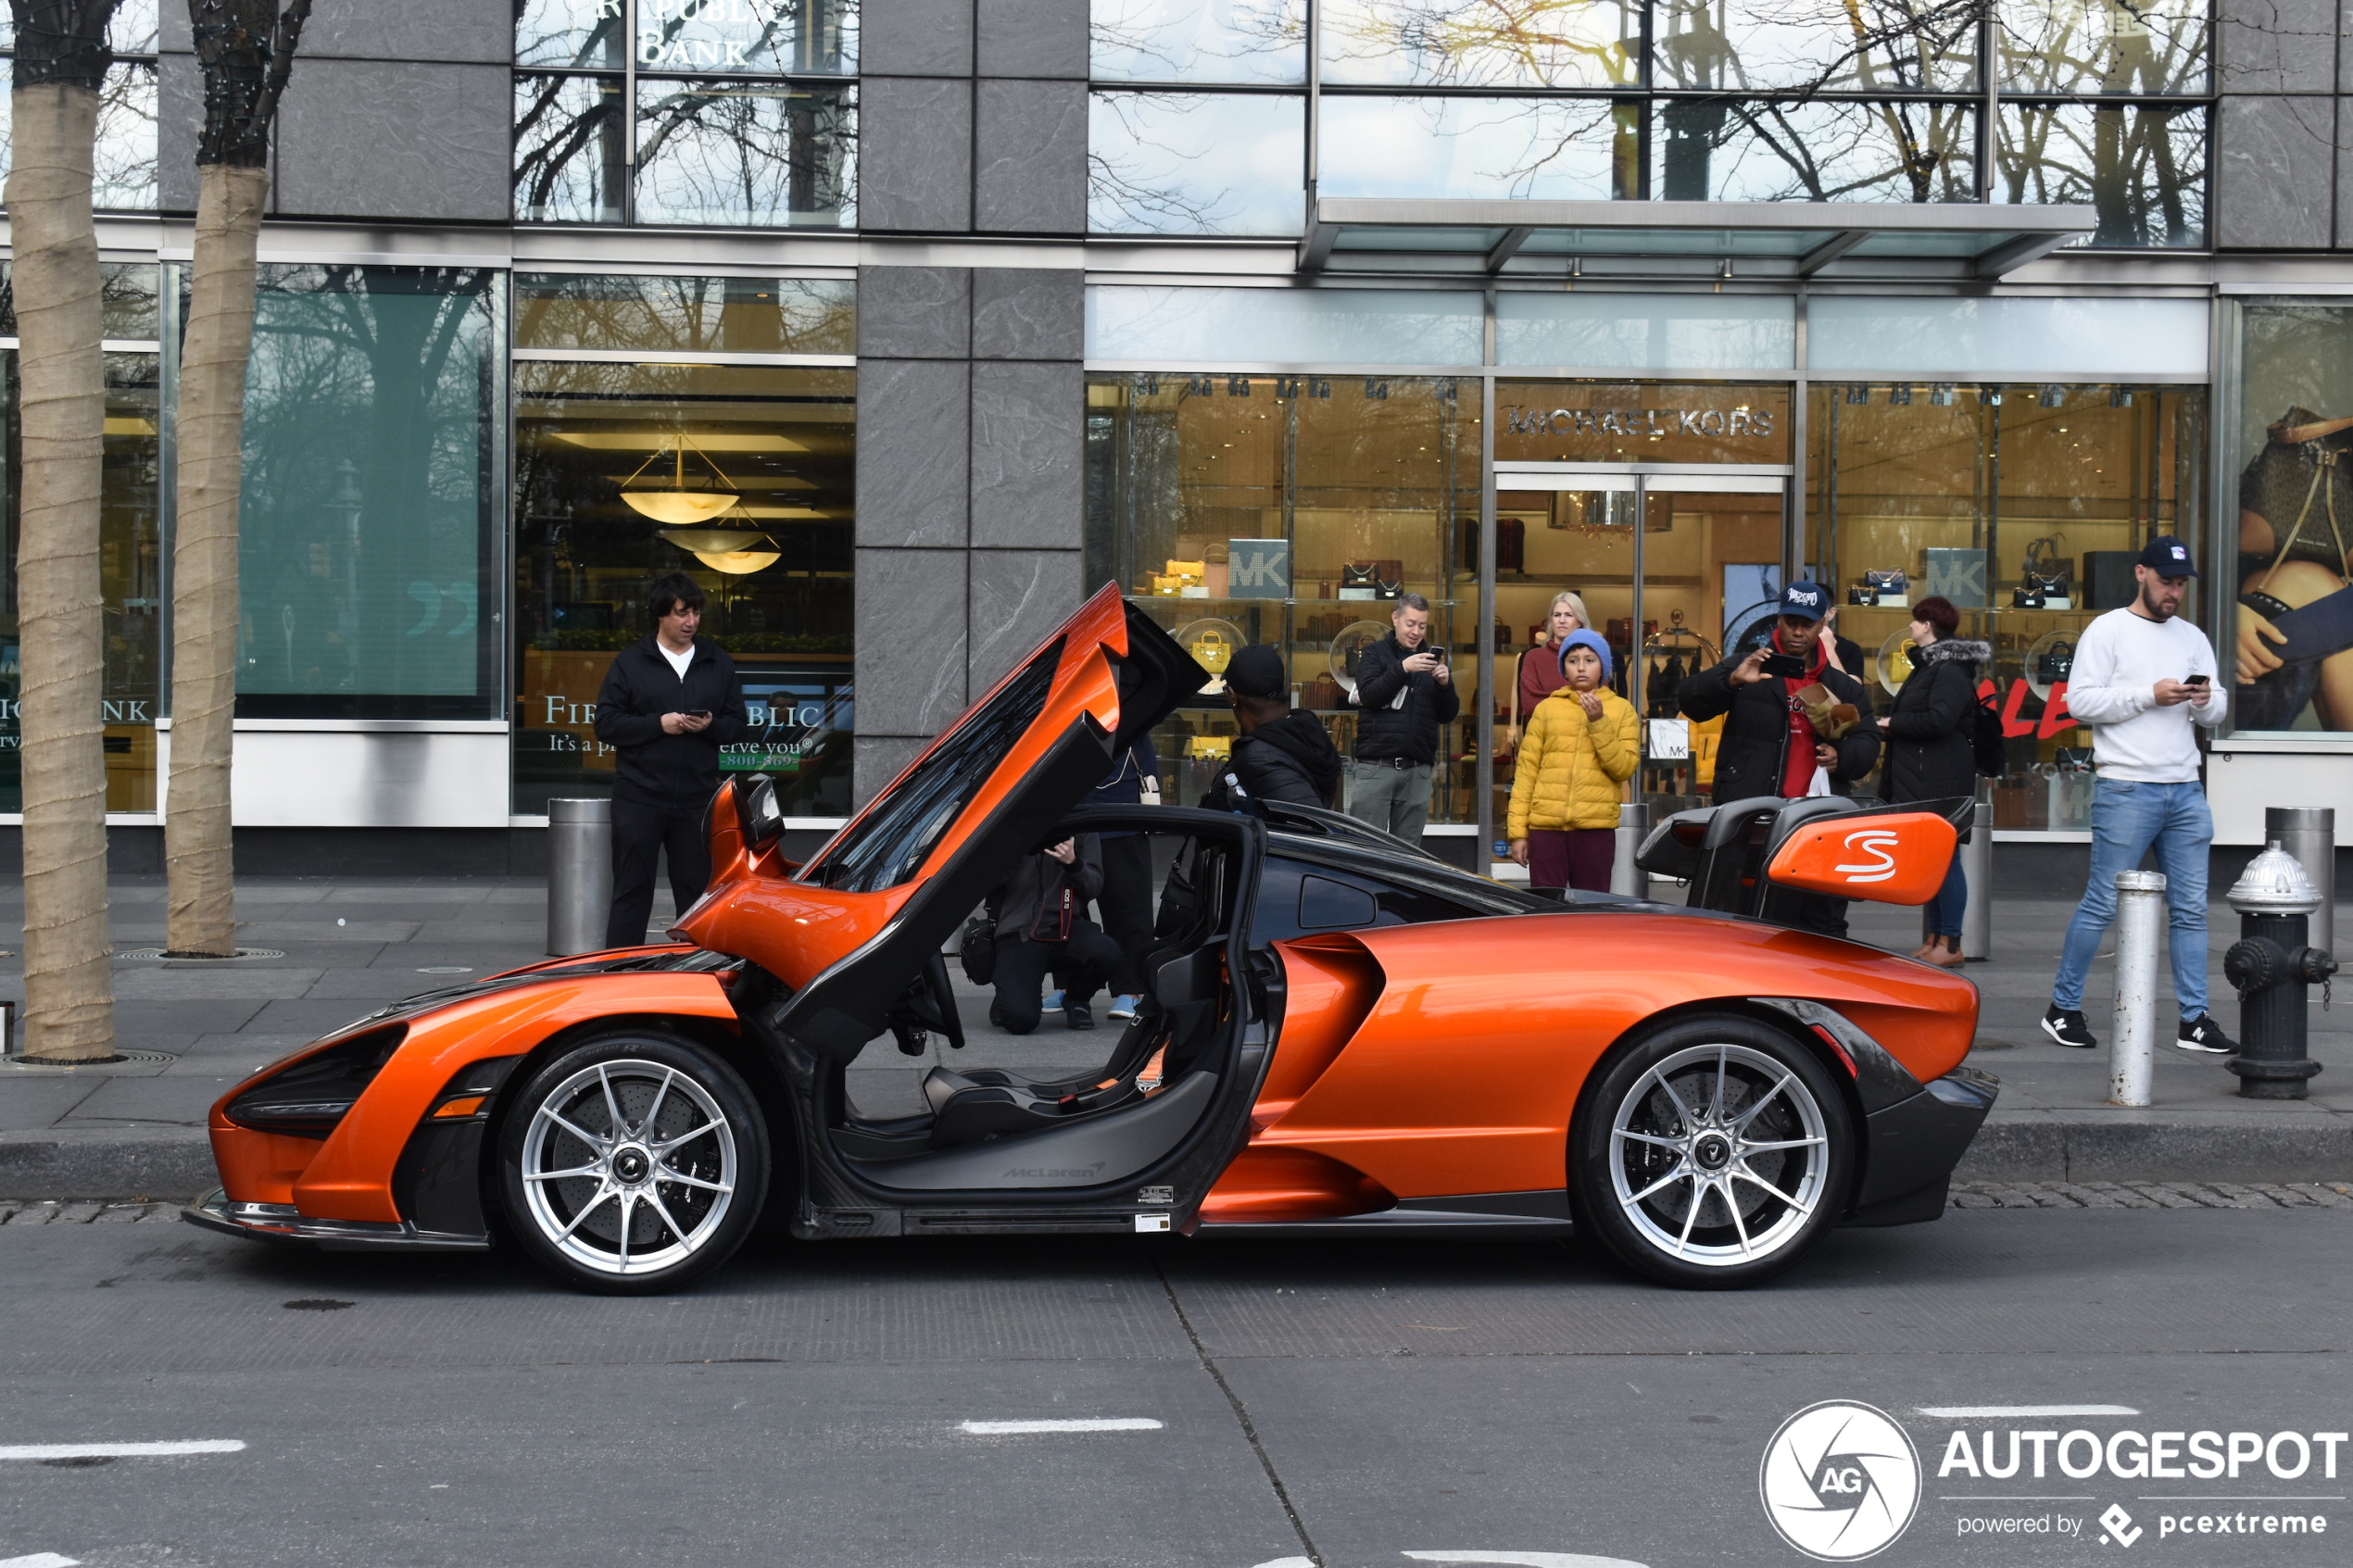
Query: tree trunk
202	893
69	993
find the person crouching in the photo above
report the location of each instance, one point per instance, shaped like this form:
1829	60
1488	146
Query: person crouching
1041	925
1581	746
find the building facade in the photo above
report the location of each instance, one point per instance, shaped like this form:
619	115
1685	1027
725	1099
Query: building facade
902	323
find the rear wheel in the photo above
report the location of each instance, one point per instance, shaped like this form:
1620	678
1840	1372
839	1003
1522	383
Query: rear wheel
633	1163
1713	1153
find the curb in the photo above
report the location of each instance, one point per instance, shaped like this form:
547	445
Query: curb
113	1163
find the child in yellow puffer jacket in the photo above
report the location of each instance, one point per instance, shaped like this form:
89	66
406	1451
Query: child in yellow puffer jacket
1581	743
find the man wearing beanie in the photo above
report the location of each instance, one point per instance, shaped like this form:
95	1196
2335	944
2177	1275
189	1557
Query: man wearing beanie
1283	754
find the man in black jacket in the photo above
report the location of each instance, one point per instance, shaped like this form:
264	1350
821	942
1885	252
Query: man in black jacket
1773	744
1041	912
1406	693
669	703
1282	753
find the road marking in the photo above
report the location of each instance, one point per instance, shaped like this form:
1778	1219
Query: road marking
41	1560
1526	1559
1015	1428
2022	1412
119	1450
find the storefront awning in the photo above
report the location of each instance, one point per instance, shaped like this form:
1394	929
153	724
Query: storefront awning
1754	239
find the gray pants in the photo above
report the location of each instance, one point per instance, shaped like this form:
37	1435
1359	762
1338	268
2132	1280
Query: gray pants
1395	799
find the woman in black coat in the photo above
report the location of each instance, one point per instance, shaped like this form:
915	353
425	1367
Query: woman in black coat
1931	753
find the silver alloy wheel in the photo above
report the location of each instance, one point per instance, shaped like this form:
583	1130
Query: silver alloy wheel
628	1167
1719	1155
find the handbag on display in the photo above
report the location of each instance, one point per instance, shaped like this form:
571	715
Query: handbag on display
2054	664
1892	588
1356	580
2045	581
1388	589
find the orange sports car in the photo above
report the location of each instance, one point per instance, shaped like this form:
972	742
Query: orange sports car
1339	1035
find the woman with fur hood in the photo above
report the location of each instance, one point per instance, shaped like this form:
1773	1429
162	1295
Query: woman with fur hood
1930	755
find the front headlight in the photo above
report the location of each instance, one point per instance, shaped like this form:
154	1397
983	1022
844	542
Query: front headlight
309	1098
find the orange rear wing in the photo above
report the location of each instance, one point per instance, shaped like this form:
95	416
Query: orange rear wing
1751	856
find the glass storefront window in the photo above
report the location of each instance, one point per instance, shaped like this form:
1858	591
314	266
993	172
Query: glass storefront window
572	152
2025	505
1464	44
810	36
583	34
1289	510
1557	149
738	153
130	579
1712	149
670	315
368	523
2295	518
2132	48
1847	45
2142	166
1240	42
1196	163
777	564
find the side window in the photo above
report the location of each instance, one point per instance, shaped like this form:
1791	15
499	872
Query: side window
1326	904
1294	899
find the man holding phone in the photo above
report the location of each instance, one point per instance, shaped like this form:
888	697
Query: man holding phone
2141	679
668	704
1799	724
1405	690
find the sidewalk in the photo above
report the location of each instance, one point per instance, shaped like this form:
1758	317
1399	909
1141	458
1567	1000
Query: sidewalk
350	945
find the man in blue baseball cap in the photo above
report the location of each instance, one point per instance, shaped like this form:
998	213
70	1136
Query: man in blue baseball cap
1798	724
2142	678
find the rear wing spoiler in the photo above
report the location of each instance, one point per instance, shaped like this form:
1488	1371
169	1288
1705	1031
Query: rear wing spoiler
1756	856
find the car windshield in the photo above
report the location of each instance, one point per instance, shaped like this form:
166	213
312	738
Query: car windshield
889	842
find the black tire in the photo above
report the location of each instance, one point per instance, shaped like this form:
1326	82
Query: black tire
1654	1153
668	1198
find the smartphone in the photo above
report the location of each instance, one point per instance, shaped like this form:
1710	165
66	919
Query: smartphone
1786	665
2196	680
699	713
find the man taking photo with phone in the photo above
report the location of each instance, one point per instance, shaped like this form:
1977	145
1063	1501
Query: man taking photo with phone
1406	692
668	704
2141	679
1799	724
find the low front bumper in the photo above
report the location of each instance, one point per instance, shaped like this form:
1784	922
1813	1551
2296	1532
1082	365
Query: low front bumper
282	1221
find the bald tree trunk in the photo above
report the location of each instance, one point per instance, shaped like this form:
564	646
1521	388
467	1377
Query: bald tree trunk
69	993
246	48
202	891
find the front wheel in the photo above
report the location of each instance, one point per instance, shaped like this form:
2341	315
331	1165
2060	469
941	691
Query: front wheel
633	1163
1712	1153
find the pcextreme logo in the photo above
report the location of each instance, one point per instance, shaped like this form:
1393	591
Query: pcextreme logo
1871	841
1840	1481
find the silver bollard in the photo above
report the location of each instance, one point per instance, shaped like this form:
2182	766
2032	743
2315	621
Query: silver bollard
2131	1053
2309	834
1977	869
1633	826
579	875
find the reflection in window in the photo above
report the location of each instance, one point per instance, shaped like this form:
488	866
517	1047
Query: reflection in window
127	304
1868	45
123	159
1243	41
1729	150
745	152
1195	163
365	532
1484	42
2102	46
776	565
1563	149
686	315
817	36
585	35
2141	167
572	155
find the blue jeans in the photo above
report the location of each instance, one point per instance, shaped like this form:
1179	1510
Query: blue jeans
1951	902
2127	818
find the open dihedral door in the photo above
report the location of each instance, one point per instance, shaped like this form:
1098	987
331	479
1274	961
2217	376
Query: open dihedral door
1752	857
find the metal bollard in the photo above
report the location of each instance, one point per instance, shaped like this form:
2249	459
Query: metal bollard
1633	826
2309	834
2131	1054
579	875
2272	970
1976	867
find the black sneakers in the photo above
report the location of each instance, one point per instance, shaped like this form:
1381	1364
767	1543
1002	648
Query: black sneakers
2202	1034
1079	1017
2066	1026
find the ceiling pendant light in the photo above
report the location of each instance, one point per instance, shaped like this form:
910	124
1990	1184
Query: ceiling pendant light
738	551
675	504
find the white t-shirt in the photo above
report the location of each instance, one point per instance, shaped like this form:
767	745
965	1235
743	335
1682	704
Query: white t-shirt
678	661
2118	660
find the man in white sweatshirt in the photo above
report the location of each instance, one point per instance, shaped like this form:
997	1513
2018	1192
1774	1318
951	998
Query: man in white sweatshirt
2141	679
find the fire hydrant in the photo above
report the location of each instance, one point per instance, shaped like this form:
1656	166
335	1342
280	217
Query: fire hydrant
2271	966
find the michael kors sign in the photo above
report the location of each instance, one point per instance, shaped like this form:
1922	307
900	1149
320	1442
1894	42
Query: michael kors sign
1639	421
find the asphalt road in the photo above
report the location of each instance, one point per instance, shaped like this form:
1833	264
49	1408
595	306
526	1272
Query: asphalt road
1358	1405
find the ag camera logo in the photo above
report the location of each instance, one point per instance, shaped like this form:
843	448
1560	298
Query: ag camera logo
1840	1481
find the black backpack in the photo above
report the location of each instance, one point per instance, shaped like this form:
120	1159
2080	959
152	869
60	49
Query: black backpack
1986	739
